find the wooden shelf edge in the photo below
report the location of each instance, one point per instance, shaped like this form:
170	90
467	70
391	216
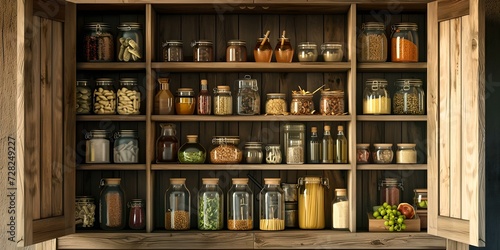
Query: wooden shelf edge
111	166
111	66
250	167
124	118
251	67
391	167
257	118
392	67
392	118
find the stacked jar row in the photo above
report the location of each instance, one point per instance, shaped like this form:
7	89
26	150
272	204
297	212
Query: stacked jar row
125	146
384	154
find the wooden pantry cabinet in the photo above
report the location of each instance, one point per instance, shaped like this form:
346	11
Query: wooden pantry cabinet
449	137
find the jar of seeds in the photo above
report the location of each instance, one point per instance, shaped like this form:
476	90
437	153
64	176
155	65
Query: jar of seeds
104	97
225	150
223	101
129	97
177	205
203	51
172	51
331	102
409	98
302	104
83	97
130	42
112	205
276	104
98	43
372	43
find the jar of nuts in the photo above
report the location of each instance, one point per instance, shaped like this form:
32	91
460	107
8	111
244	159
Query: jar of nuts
383	153
372	43
302	104
225	150
83	97
409	98
104	97
177	205
223	101
276	104
129	97
331	102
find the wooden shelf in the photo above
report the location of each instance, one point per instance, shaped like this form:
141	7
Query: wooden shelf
391	167
250	118
119	118
392	118
176	166
111	66
251	67
392	67
111	166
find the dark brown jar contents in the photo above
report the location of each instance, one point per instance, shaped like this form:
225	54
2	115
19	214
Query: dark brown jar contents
98	43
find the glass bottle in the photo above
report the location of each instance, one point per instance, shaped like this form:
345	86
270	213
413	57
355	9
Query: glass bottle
340	209
177	205
84	211
223	101
185	101
272	205
404	42
283	50
314	146
236	51
273	154
312	202
340	146
372	43
172	51
327	146
376	98
192	152
129	97
294	143
167	144
332	52
210	205
307	52
409	97
97	147
253	152
203	51
164	99
112	205
83	97
263	52
248	97
104	97
204	100
130	42
126	147
98	43
137	215
391	191
406	153
240	205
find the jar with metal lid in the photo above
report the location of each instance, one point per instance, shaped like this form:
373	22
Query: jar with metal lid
391	191
331	102
83	97
236	51
302	104
376	98
248	97
406	153
312	202
167	144
130	42
291	191
253	152
192	152
340	209
223	101
273	154
420	198
272	205
98	43
332	52
307	52
372	43
112	205
363	153
104	97
210	205
409	97
291	214
126	147
84	211
203	51
137	214
185	101
97	147
177	205
276	104
172	51
283	50
382	153
240	205
404	42
263	52
129	97
225	150
294	143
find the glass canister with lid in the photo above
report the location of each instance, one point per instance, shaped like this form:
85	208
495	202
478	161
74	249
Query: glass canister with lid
177	205
83	97
294	143
104	97
192	152
97	147
276	104
172	51
98	43
391	191
283	50
248	97
382	153
363	153
225	150
185	101
272	205
84	211
372	43
376	98
420	198
223	101
340	209
263	52
137	214
312	202
203	51
302	104
404	42
273	154
409	97
130	42
307	52
210	205
406	153
129	97
112	205
331	102
126	147
332	52
240	205
253	152
236	51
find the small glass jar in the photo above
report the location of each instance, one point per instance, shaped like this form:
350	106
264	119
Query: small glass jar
225	150
291	214
185	101
307	52
177	205
130	42
172	51
104	97
273	154
363	153
98	43
391	191
203	51
83	97
167	144
295	152
406	153
376	98
283	51
291	191
223	101
137	215
372	43
276	104
420	198
129	97
332	52
248	97
340	209
240	205
97	147
404	42
210	205
409	97
312	202
331	102
126	147
302	104
272	205
382	153
84	211
294	137
192	152
253	152
112	205
263	51
236	51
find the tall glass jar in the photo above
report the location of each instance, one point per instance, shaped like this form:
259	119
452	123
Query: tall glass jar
307	52
164	99
104	97
273	154
240	205
185	101
248	97
409	97
210	205
236	51
203	51
406	153
376	98
272	205
112	205
225	150
263	51
223	101
294	143
331	102
312	202
129	97
283	50
340	209
204	100
98	43
276	104
126	147
172	51
84	211
382	153
253	152
302	104
137	215
167	144
372	43
192	152
97	147
177	205
404	42
130	42
391	191
332	52
83	97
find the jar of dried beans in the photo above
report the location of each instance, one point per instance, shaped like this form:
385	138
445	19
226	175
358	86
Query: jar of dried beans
404	42
240	205
104	97
276	104
137	215
130	42
172	51
302	104
390	191
376	98
223	101
83	97
409	97
372	43
248	97
112	205
84	211
98	43
331	102
203	51
362	153
177	205
129	97
236	51
382	153
225	150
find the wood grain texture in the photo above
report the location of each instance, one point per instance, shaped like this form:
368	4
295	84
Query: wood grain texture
254	118
251	166
251	67
449	9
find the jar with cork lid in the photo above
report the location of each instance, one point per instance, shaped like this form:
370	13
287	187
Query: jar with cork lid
112	204
204	100
177	205
406	153
223	101
340	209
312	202
164	99
272	205
192	152
240	205
210	205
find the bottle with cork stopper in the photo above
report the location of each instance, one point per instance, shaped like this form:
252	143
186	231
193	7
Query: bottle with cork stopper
204	106
340	146
164	99
314	146
327	146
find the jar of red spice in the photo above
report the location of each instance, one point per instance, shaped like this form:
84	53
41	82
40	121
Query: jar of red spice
137	217
404	43
363	153
391	191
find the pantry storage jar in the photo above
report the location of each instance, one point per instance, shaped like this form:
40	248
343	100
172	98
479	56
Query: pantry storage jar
223	101
362	153
404	42
248	97
283	50
302	104
185	101
263	52
273	154
104	97
391	191
84	211
294	143
332	52
376	98
420	198
130	42
137	214
203	51
406	153
236	51
382	153
97	147
225	150
129	97
276	104
240	205
409	97
372	43
164	99
112	205
272	205
331	102
253	152
312	202
307	52
98	43
210	205
192	152
177	205
126	147
167	144
172	51
83	97
340	209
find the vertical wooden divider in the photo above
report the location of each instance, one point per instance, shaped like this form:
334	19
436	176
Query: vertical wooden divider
150	87
351	87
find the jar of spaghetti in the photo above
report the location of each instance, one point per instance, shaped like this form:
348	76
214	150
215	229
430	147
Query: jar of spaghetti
312	202
203	51
236	51
185	101
263	52
363	153
404	43
390	191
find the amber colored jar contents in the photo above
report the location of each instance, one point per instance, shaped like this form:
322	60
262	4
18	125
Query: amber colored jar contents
137	216
404	43
283	51
167	144
185	101
263	52
204	101
236	51
164	100
390	191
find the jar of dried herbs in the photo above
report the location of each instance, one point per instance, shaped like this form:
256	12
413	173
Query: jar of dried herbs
210	205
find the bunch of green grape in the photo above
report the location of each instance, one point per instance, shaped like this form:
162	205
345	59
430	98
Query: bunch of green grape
394	220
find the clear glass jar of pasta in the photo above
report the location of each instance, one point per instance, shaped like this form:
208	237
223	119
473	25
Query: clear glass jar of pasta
376	98
129	97
312	202
272	205
130	42
225	150
276	104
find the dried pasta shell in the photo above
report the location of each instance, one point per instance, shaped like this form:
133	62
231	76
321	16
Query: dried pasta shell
134	52
122	51
126	55
133	44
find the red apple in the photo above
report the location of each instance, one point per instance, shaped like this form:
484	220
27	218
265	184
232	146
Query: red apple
407	210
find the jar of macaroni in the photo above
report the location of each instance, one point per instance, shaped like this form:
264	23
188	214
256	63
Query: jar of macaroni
236	51
276	104
406	153
223	101
376	98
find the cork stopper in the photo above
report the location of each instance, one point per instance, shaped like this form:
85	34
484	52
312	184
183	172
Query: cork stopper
327	128
223	87
111	181
177	180
210	181
272	181
340	128
340	192
204	82
192	138
240	181
314	129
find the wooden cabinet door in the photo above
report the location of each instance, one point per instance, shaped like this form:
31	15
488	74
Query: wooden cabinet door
456	92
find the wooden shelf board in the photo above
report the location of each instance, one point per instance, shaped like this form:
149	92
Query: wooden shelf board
120	118
250	118
111	166
251	67
391	167
111	66
392	67
392	118
176	166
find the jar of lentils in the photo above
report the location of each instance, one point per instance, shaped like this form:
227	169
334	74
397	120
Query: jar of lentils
276	104
225	150
203	51
332	102
172	51
223	101
409	98
98	43
248	97
404	42
372	43
302	104
104	97
236	51
130	42
129	97
83	97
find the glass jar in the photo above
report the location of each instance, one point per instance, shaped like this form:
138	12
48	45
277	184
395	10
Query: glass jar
302	104
406	153
210	205
223	101
291	214
283	50
130	42
126	147
84	211
276	104
272	205
177	205
420	198
112	205
83	97
295	152
404	42
362	153
240	205
332	52
104	97
203	51
172	51
340	209
248	97
331	102
307	52
293	141
137	215
97	147
185	101
312	202
204	100
225	150
129	97
273	154
167	144
382	153
236	51
263	52
376	98
409	98
372	43
390	191
164	99
253	152
290	191
192	152
98	43
314	147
